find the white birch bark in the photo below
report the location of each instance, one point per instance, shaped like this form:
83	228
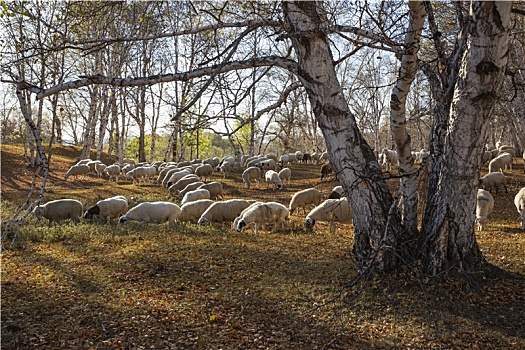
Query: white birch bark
402	140
449	239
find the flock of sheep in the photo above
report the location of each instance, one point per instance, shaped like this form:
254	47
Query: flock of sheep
499	158
203	202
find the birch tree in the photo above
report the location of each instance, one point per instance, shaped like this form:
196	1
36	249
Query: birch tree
384	236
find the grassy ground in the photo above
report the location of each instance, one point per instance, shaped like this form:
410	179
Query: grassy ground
136	287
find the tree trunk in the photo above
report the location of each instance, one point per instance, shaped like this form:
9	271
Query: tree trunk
448	228
407	73
376	223
104	118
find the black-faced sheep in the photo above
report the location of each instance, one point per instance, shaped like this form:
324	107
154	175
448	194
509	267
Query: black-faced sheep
58	210
271	213
108	208
153	212
331	210
337	192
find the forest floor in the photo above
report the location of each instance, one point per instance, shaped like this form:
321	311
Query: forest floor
90	286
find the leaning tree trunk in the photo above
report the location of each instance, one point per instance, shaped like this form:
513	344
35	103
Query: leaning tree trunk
376	223
448	227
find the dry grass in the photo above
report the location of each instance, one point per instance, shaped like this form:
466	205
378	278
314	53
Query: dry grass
133	287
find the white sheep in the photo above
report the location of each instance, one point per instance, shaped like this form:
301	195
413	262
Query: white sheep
182	183
389	159
215	188
176	176
252	173
493	181
167	175
108	208
304	198
136	174
285	175
153	212
195	195
283	160
60	209
337	192
238	218
75	170
204	172
330	210
500	163
224	211
192	211
113	171
271	213
272	179
100	168
519	202
314	157
324	157
226	167
266	164
190	187
299	156
127	168
92	165
484	206
164	171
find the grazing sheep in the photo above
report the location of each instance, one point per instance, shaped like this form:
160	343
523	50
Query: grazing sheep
512	153
299	156
519	202
238	218
500	163
192	211
75	170
493	181
324	157
326	169
306	157
226	167
137	173
204	172
167	175
272	178
389	159
304	198
484	206
314	157
190	187
330	210
254	161
92	165
182	183
127	168
271	213
216	190
84	161
252	173
60	209
283	160
113	171
108	208
195	195
176	176
285	175
266	164
100	168
224	211
153	212
336	193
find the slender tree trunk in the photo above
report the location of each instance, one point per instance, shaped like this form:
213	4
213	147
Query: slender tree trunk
104	118
376	224
402	140
448	228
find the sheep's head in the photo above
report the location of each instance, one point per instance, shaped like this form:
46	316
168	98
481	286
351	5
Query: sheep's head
38	212
309	223
240	225
122	220
94	210
203	221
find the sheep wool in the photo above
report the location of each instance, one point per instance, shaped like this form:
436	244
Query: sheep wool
192	211
224	211
271	213
109	208
195	195
75	170
331	210
58	210
519	202
493	181
484	206
153	212
304	198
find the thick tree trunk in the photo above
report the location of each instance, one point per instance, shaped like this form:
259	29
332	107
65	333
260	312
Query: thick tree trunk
448	228
376	224
407	73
